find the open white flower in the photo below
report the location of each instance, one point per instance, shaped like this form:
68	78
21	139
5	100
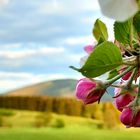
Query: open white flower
119	10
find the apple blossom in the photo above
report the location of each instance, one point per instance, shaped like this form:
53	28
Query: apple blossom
130	117
123	100
88	49
127	117
119	60
89	91
119	10
126	76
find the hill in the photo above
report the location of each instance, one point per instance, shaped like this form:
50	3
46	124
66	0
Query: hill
61	88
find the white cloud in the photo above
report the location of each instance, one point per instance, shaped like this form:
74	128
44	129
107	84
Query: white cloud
11	80
68	7
4	2
52	7
79	40
88	20
28	52
47	22
75	57
92	5
9	46
11	75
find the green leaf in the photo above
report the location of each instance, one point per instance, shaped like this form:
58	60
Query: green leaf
136	22
104	58
100	31
122	31
112	74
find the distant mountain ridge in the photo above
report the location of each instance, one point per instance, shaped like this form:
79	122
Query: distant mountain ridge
60	88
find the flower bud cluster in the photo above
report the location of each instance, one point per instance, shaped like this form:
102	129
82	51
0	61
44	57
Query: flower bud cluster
121	60
125	102
125	94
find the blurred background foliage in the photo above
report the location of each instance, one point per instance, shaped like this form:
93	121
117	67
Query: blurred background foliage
58	118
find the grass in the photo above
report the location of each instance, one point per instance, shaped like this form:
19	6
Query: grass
28	119
67	133
21	126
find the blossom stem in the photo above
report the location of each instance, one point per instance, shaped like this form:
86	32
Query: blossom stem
116	86
129	83
129	64
109	82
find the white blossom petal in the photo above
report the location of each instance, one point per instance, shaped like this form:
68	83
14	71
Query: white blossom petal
119	10
83	60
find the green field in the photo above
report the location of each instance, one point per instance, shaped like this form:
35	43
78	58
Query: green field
32	125
70	133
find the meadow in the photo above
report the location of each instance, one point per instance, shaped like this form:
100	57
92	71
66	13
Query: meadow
33	125
68	133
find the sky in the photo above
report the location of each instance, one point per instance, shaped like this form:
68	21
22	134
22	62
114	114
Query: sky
40	39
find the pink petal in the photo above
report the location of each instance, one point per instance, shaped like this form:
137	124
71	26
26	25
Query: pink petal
89	48
127	117
83	87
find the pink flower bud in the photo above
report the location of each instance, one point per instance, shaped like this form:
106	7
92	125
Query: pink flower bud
126	76
122	100
127	117
136	76
124	96
89	91
130	118
89	48
136	120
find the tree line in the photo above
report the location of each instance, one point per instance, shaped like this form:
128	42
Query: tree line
68	106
